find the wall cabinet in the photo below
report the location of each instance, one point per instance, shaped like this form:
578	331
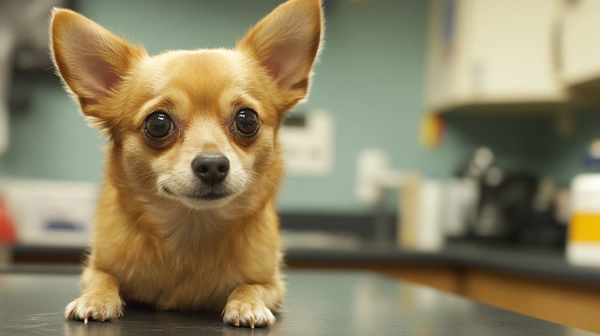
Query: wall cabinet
494	54
580	46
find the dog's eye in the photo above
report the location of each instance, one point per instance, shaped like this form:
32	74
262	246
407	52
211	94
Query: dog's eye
158	125
246	121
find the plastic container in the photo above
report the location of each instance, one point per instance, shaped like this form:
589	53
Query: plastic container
583	242
50	213
420	205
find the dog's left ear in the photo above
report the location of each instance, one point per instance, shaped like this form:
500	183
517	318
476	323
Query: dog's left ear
287	43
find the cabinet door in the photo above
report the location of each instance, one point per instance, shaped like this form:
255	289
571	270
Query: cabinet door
493	52
580	47
511	56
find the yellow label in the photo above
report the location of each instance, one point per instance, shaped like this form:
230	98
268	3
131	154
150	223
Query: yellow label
585	228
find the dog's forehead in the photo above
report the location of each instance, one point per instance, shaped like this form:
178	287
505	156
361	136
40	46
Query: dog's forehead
210	81
198	71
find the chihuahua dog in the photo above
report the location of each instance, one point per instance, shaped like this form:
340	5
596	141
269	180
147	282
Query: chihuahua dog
186	216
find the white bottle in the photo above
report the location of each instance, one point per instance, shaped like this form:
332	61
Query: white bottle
583	242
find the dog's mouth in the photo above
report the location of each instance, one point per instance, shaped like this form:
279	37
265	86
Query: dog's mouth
210	195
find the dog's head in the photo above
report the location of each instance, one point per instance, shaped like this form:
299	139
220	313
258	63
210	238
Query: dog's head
196	126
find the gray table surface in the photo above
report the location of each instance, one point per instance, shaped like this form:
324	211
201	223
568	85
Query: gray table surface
318	303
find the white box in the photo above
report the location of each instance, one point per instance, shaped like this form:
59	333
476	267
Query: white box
51	213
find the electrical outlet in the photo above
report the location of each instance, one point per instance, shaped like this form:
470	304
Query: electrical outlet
307	143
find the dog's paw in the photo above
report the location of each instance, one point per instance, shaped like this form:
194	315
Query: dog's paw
95	307
248	314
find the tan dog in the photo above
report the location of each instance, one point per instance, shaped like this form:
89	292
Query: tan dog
186	217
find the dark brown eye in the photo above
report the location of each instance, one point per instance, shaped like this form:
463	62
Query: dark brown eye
158	125
246	121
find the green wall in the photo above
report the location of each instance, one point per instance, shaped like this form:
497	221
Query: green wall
566	155
371	78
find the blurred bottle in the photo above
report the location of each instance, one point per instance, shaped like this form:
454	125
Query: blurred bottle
583	242
462	194
420	205
583	245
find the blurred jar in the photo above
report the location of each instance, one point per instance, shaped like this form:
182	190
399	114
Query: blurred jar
583	244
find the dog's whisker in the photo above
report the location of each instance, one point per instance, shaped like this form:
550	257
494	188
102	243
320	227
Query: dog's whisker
175	211
266	179
162	184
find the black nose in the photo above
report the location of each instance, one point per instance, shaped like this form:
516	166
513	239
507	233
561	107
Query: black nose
211	167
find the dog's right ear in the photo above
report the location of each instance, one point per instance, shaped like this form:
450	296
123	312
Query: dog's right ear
90	60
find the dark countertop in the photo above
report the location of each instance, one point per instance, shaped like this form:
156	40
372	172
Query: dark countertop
539	262
317	303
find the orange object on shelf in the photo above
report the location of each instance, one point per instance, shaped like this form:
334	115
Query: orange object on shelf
432	130
7	231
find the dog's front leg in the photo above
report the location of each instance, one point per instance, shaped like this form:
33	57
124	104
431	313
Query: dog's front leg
249	305
99	298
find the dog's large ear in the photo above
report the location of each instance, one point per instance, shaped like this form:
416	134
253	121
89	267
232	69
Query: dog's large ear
90	60
287	43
